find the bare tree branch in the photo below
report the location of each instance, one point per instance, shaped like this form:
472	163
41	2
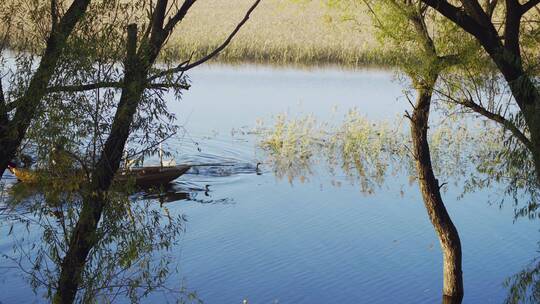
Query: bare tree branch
529	5
475	10
6	108
461	18
157	20
179	16
510	126
54	15
512	26
490	7
2	98
185	66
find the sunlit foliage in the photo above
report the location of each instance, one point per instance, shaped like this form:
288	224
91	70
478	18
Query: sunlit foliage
74	119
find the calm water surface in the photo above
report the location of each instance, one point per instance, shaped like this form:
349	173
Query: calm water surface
253	236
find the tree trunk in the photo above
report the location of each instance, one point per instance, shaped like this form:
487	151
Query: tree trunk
83	238
430	188
527	97
524	91
137	66
81	242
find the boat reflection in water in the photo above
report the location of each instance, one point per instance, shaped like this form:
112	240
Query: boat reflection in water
182	191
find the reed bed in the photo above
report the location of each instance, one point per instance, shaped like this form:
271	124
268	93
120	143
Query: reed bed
279	32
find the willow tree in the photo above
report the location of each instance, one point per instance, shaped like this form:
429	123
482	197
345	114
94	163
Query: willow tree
107	89
17	114
368	153
524	286
508	32
143	46
427	48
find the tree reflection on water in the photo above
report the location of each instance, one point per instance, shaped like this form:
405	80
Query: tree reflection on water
132	256
471	155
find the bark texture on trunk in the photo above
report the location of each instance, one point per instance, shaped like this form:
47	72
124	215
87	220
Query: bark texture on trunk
430	188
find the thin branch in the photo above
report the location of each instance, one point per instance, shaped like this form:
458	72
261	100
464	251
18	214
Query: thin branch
510	126
155	145
410	102
178	16
86	87
529	5
224	44
450	60
177	69
378	20
6	108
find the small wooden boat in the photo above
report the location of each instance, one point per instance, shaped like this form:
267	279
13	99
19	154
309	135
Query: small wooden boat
143	176
152	175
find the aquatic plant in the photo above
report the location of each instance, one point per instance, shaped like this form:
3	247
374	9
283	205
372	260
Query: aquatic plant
368	152
361	149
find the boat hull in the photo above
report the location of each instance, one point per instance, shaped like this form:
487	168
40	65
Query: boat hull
151	176
142	176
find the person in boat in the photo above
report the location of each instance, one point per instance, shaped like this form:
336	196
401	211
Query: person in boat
21	161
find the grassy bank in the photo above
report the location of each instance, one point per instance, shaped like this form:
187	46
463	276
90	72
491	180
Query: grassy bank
280	32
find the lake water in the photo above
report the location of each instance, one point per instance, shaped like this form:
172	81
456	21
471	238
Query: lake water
256	237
